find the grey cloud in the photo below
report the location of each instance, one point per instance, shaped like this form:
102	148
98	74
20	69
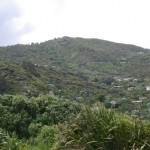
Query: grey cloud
9	10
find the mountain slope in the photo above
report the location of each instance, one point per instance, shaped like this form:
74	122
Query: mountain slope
84	70
80	54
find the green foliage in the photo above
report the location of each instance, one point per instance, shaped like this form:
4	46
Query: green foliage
16	80
3	138
107	80
12	143
105	129
100	98
48	136
34	129
26	116
4	85
80	54
30	67
83	70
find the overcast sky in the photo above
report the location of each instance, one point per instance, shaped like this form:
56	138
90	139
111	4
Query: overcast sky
26	21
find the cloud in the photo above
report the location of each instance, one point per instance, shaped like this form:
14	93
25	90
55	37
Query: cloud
119	21
10	30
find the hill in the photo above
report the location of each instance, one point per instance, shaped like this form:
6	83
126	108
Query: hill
75	68
84	70
86	55
74	93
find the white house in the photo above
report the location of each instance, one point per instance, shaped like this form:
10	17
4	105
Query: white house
136	101
148	88
131	88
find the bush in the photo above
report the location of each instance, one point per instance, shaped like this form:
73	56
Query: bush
25	116
3	138
105	129
4	85
47	137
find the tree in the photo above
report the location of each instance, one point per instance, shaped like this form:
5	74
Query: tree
4	85
29	67
101	98
108	80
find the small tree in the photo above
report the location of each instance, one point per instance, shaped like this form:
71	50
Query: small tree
4	85
29	67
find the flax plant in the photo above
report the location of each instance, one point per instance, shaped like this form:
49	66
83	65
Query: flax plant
105	129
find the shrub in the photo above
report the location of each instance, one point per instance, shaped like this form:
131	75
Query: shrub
105	129
48	136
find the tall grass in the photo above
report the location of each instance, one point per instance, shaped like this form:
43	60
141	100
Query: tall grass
104	129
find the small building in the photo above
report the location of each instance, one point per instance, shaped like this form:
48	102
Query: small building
140	53
135	113
51	85
135	80
138	88
148	88
136	101
124	99
123	58
142	98
117	87
114	104
148	104
118	79
127	79
131	88
123	62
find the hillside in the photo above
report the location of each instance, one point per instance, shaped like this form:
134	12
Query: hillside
83	70
30	80
86	55
74	93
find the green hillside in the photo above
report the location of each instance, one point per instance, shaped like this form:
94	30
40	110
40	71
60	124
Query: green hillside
83	70
87	55
75	68
74	93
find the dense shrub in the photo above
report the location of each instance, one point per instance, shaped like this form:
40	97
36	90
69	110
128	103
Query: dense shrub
4	85
105	129
25	116
47	136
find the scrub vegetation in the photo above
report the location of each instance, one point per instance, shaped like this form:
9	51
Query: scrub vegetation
74	93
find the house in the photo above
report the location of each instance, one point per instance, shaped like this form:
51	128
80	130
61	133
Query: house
142	98
118	79
123	58
46	66
117	87
127	79
114	104
123	62
140	53
148	104
147	79
124	99
135	79
138	88
148	88
136	101
131	88
51	85
135	112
